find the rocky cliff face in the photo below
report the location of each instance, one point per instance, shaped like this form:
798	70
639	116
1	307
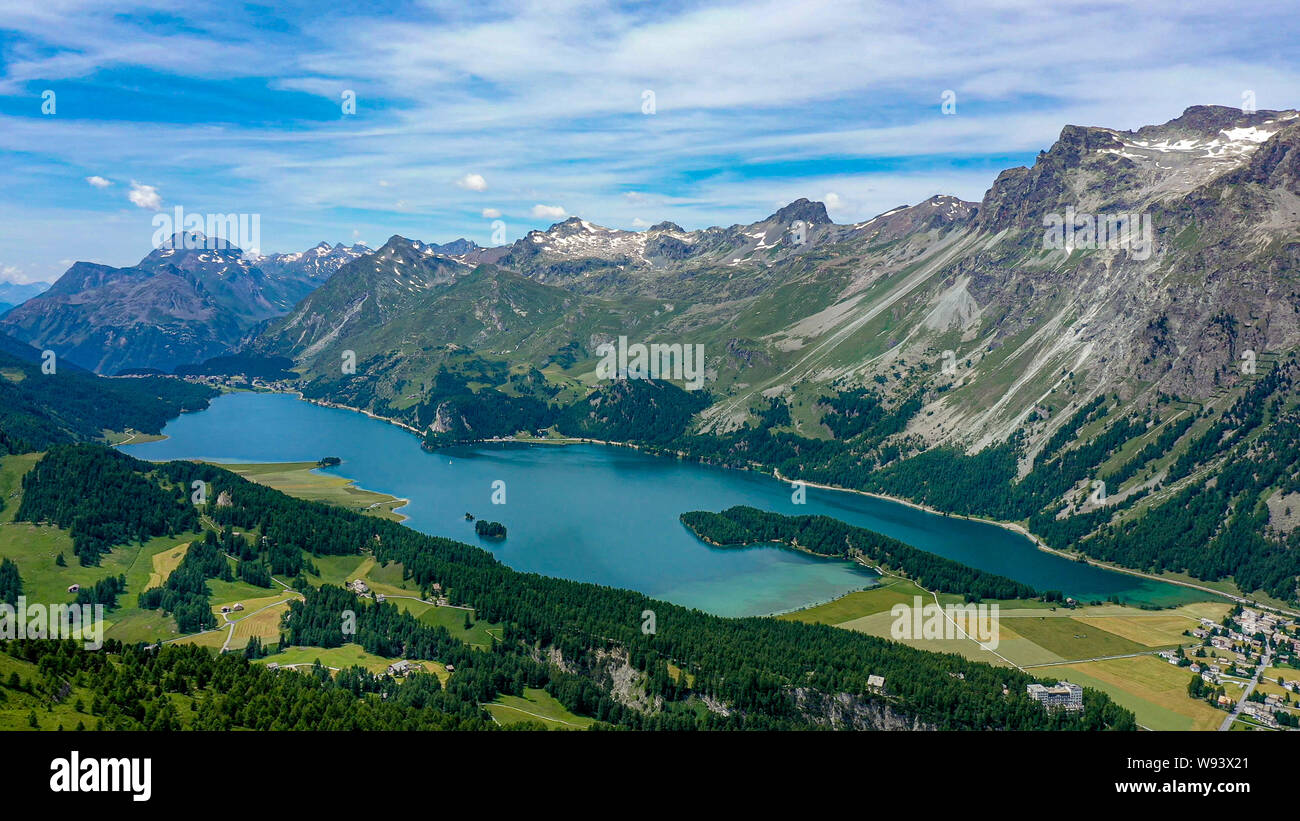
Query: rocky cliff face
843	711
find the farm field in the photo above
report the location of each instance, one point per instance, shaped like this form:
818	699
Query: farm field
1070	638
1153	689
1059	643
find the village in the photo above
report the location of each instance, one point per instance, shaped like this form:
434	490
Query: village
1248	665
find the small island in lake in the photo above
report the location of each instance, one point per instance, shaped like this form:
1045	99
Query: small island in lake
490	530
469	517
329	462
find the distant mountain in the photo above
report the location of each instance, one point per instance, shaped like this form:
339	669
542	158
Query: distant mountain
288	274
14	293
190	300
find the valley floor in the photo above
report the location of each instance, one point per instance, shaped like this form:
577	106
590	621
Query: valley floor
1112	648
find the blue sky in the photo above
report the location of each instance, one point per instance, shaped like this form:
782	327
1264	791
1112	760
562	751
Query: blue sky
530	111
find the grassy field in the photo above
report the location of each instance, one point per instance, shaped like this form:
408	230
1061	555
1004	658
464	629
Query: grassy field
164	562
890	592
1149	629
536	705
1072	639
1153	689
12	469
131	437
17	706
303	480
480	633
336	569
349	655
34	548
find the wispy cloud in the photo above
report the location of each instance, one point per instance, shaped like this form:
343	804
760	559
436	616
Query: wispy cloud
754	104
549	212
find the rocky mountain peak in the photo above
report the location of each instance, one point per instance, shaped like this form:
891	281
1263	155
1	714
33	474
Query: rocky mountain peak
802	209
666	225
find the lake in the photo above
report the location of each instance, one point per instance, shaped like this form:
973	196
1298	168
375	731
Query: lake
608	514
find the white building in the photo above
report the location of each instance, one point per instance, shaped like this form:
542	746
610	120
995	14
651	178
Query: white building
1063	695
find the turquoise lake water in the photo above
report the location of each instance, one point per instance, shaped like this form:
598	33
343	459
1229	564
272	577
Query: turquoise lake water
609	514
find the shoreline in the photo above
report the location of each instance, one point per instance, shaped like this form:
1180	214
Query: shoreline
1038	542
776	474
326	404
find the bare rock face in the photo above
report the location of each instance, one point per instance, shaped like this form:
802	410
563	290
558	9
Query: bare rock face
804	210
842	711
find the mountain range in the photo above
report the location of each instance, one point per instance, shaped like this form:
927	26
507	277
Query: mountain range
1124	312
190	299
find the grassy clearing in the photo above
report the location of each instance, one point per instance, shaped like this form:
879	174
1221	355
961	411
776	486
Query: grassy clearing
34	549
17	706
12	469
538	706
263	622
480	633
892	590
335	569
131	437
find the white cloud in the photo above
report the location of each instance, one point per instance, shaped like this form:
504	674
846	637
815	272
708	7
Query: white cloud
98	181
549	211
145	196
472	182
491	213
637	222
